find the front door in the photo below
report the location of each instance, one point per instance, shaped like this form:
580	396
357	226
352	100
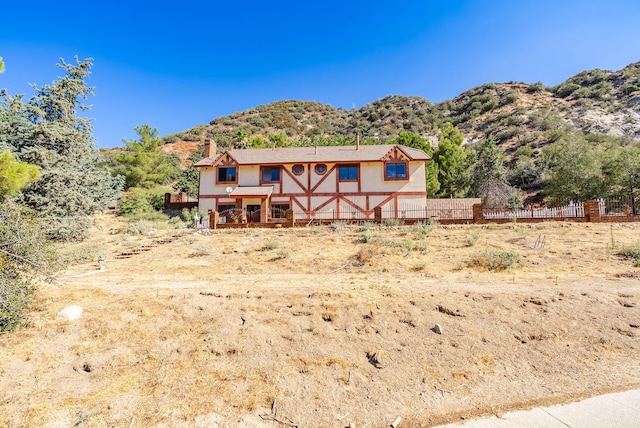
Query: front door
253	213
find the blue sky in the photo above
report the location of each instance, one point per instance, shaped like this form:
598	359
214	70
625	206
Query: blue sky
177	64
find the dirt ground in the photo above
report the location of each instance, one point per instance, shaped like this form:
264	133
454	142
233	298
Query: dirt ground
314	327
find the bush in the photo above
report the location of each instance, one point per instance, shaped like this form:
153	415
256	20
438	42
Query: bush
535	87
25	258
142	201
632	253
494	260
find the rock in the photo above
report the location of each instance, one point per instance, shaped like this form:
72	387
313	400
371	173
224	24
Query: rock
437	329
70	313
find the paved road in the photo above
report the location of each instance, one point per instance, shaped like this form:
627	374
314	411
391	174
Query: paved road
618	410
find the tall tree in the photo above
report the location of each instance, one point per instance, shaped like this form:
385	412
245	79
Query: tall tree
416	141
454	163
489	177
142	163
623	166
575	171
46	131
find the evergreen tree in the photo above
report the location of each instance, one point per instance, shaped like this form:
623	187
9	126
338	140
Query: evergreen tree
46	131
142	163
489	177
454	163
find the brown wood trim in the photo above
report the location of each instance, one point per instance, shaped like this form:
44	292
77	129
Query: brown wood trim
294	199
367	194
384	172
295	179
327	202
271	182
324	177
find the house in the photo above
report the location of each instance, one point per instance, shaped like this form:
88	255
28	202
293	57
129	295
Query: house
323	183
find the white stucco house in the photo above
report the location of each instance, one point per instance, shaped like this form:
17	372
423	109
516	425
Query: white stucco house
325	182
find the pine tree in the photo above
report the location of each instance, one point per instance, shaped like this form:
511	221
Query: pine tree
142	164
46	131
453	163
489	177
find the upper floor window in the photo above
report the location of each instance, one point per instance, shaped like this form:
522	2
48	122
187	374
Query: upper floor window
227	174
348	172
321	168
298	169
395	171
270	173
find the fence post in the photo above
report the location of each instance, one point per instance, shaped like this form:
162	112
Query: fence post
592	211
291	218
214	216
167	200
377	214
478	215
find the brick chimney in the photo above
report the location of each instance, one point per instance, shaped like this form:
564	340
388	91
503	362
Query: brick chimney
209	148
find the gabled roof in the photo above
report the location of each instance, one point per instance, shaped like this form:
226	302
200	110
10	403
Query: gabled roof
320	154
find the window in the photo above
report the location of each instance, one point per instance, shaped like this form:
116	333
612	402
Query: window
270	173
227	175
321	168
298	169
348	172
395	171
279	210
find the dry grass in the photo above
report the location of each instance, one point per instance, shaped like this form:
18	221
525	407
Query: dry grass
168	339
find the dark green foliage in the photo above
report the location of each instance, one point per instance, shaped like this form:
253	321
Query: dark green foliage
575	171
565	89
536	87
142	163
46	132
453	163
24	257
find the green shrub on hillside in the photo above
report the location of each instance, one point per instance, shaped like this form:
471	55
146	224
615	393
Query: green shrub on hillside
142	201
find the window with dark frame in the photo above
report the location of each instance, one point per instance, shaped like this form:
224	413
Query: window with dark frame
227	174
279	210
270	173
395	171
320	168
348	172
298	169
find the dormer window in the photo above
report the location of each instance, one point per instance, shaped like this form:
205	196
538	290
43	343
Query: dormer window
395	171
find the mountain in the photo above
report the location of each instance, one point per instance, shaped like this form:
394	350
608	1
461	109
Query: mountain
515	114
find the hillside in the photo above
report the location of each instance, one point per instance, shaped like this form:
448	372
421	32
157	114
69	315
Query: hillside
516	114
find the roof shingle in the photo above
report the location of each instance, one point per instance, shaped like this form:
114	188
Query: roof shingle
324	154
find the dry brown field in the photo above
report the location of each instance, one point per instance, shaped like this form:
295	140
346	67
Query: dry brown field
313	327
